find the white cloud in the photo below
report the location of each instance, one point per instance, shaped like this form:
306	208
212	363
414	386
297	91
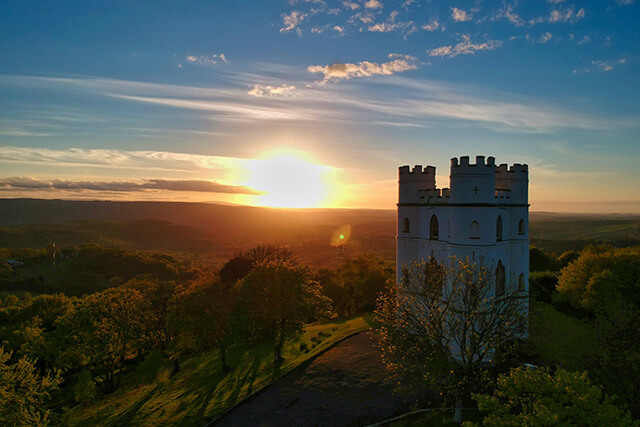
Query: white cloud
268	90
317	30
292	20
624	2
373	4
560	15
460	15
507	13
432	25
338	29
465	47
212	59
391	24
350	5
545	37
338	71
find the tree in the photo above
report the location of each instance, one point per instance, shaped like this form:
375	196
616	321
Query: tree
107	328
355	284
203	316
528	397
23	393
281	298
600	274
443	324
616	365
160	297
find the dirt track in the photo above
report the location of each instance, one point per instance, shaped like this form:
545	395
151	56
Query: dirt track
342	387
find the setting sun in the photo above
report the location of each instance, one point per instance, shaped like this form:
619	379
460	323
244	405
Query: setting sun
289	180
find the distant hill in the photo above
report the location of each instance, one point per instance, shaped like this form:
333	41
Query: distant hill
219	231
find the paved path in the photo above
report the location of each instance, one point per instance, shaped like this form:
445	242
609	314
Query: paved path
344	386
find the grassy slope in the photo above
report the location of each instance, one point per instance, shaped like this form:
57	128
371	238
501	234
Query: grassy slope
558	338
199	391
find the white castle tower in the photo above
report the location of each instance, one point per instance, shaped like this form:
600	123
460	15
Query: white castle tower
484	215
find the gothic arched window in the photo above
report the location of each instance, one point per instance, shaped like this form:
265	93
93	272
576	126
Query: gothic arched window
499	229
406	227
474	230
521	282
521	226
500	279
433	228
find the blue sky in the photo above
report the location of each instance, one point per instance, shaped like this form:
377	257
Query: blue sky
188	100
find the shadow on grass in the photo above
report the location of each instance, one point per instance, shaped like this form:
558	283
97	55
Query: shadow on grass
126	417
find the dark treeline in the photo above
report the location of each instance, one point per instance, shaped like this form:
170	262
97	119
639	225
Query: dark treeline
73	348
601	286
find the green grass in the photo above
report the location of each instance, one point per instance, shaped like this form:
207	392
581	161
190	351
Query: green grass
200	391
558	338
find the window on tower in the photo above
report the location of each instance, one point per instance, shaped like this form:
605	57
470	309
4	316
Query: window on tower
433	228
499	229
521	282
474	230
500	279
406	227
521	226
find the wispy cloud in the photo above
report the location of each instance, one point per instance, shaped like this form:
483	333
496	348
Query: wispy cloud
601	65
507	13
339	71
559	16
26	183
433	25
268	90
212	59
545	37
465	47
20	132
391	24
291	21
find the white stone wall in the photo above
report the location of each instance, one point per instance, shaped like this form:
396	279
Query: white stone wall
478	192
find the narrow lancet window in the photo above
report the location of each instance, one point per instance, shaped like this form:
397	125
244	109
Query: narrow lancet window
406	227
474	230
433	227
499	229
521	226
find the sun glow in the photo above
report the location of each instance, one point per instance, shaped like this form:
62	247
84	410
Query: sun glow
289	180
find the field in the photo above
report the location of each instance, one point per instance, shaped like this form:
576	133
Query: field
200	391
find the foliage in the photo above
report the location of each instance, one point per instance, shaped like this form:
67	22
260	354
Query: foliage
107	328
281	298
600	274
528	397
443	325
540	261
23	393
203	317
617	363
542	285
84	390
148	370
354	286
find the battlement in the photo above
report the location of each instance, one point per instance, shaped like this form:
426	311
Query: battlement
436	193
502	193
516	168
405	173
480	167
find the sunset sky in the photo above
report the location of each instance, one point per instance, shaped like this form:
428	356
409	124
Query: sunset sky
314	103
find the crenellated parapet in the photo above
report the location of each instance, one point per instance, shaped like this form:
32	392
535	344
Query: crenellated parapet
481	183
413	181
